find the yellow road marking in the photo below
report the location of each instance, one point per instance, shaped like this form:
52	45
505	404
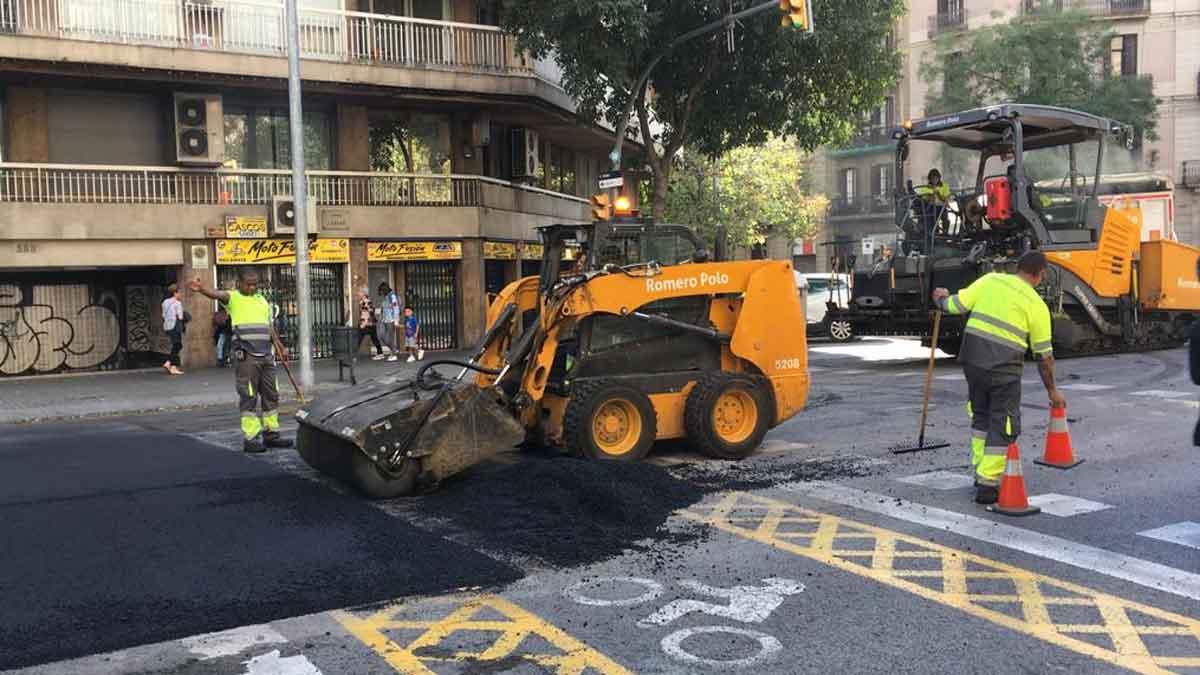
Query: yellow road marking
1035	599
571	657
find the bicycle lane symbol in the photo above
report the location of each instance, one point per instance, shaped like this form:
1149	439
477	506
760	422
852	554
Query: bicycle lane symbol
749	604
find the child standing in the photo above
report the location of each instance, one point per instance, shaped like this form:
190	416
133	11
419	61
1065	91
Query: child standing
412	335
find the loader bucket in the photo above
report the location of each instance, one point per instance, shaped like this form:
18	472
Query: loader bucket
386	436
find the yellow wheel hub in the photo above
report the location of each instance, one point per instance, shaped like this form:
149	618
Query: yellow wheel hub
616	426
735	416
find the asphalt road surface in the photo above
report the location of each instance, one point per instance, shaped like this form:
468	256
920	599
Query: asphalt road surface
152	545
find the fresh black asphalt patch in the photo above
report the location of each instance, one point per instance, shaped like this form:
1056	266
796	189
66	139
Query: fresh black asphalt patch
560	510
114	537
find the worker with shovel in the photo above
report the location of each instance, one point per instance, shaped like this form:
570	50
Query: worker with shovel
254	356
1007	316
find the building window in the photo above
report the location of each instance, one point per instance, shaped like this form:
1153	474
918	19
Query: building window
259	138
1123	55
437	10
849	183
562	170
881	180
410	143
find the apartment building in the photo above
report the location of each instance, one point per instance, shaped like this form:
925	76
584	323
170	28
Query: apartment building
147	141
1157	39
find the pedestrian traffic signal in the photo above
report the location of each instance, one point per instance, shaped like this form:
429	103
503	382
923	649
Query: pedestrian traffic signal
601	207
796	14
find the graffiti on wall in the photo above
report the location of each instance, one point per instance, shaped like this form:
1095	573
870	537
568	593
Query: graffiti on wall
143	320
56	327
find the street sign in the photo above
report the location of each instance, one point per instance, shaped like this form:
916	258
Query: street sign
611	179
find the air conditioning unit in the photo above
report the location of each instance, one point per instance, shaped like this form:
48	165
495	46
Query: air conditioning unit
283	216
199	129
527	156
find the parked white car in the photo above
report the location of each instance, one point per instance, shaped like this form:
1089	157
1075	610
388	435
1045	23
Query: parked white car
824	288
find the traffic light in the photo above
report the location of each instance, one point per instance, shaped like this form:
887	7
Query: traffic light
601	207
796	14
622	207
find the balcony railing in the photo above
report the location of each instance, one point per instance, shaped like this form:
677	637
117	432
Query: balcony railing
250	27
63	184
860	205
1190	177
1096	7
954	19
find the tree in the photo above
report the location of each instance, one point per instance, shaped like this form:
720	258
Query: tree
759	191
814	88
1046	56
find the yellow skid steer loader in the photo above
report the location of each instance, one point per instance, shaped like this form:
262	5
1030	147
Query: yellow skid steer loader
642	338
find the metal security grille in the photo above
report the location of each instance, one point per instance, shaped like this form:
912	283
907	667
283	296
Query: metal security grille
431	289
278	284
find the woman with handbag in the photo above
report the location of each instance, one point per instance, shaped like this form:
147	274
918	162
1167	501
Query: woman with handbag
174	320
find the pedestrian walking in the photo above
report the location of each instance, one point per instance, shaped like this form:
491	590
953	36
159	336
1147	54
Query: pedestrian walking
412	336
1007	317
389	320
366	323
253	340
173	323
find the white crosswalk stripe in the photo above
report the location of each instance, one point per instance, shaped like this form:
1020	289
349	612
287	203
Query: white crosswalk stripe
1161	393
1185	533
1065	506
940	480
1086	387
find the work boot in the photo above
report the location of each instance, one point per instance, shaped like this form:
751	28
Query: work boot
986	494
254	445
272	439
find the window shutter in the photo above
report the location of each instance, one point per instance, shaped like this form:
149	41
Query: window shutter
1129	65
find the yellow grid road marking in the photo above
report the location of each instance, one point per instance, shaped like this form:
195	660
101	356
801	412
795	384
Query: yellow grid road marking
420	655
1035	599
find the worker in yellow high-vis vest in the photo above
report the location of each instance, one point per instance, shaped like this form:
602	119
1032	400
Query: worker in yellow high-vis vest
254	360
1007	318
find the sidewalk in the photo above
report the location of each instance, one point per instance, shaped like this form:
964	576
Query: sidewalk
115	393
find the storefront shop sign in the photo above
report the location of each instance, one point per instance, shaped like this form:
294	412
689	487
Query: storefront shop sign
280	251
499	250
241	227
395	251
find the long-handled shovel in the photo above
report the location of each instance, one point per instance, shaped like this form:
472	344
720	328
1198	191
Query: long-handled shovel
933	445
288	369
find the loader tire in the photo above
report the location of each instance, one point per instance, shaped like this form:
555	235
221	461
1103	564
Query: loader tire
609	421
373	483
726	416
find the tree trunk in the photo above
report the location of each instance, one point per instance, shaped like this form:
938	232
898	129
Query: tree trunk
662	179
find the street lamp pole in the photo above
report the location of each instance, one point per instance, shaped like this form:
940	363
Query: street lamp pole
299	196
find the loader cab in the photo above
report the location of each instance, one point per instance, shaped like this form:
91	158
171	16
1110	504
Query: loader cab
1038	171
577	249
609	345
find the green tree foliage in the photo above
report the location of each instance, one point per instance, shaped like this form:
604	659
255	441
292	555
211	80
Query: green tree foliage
754	191
1045	56
814	88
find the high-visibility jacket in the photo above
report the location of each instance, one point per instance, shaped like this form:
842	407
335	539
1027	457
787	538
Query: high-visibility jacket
939	194
250	316
1007	317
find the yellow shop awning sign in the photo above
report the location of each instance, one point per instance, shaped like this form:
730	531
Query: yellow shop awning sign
500	250
392	251
280	251
240	227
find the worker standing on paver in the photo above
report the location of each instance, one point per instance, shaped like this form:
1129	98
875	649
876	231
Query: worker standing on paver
253	340
1007	316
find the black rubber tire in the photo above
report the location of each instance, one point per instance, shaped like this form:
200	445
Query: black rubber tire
698	414
366	477
344	461
585	399
839	336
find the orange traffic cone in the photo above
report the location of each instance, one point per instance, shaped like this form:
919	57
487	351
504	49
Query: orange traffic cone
1059	453
1013	500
